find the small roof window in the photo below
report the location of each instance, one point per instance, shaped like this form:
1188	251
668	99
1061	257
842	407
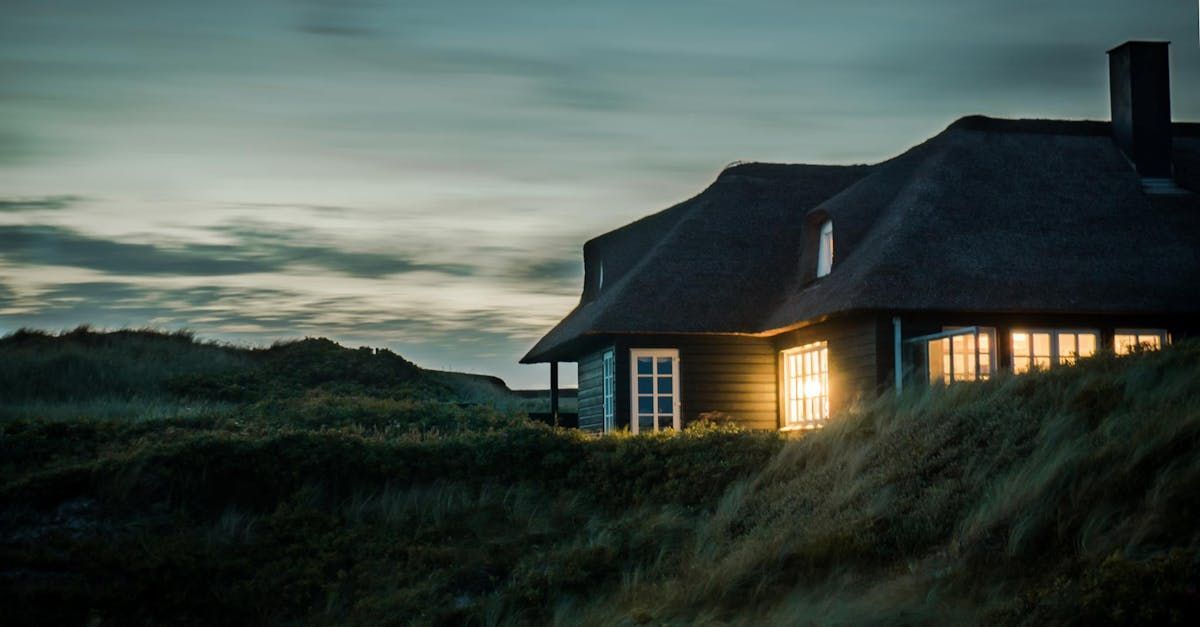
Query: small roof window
825	249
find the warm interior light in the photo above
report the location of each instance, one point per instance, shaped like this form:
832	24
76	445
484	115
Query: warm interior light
1043	349
966	356
806	385
1129	341
813	388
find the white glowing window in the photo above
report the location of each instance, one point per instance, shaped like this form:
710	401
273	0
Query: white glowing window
1126	341
806	385
825	249
1075	345
1041	349
609	391
962	355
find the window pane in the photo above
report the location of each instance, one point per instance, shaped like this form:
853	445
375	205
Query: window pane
666	422
645	404
1067	350
664	365
1087	344
645	385
665	385
1041	345
939	361
645	365
666	405
645	423
963	369
1150	341
1021	364
1020	343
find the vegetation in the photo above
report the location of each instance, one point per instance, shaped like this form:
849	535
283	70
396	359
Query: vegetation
84	364
1065	497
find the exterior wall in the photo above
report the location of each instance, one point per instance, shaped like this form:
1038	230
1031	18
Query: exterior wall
591	391
739	375
734	375
853	348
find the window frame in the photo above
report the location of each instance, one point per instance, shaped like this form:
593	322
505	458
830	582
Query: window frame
922	343
785	380
608	383
1164	337
1055	353
1058	356
677	388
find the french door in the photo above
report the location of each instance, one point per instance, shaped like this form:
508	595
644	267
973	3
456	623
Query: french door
654	381
610	390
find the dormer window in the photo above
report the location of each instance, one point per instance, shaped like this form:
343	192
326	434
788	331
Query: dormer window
825	249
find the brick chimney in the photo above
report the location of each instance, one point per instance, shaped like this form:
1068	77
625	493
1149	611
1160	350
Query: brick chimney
1140	88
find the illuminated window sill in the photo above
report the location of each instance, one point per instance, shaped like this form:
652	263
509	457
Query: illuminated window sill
812	427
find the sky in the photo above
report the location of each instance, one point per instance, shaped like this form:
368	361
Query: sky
422	175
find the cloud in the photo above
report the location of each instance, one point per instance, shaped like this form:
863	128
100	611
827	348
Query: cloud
271	312
337	18
43	203
18	146
466	339
289	246
59	246
254	251
548	275
122	304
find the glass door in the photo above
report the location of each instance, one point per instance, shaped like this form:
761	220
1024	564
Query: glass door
610	390
655	385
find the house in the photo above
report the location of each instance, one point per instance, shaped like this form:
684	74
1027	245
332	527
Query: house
783	292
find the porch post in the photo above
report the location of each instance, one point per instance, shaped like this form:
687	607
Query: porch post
897	360
554	392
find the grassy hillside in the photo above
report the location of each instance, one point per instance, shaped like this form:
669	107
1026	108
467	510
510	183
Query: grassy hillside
143	374
1068	497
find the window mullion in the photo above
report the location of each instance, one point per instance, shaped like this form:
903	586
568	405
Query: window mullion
977	373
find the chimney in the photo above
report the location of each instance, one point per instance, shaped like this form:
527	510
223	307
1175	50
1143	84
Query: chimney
1140	87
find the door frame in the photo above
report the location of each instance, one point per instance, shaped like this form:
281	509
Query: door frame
677	388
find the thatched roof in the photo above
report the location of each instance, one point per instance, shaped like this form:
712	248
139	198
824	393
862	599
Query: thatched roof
989	216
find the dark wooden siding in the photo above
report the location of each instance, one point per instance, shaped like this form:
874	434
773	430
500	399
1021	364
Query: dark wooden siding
591	391
853	355
739	375
732	375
